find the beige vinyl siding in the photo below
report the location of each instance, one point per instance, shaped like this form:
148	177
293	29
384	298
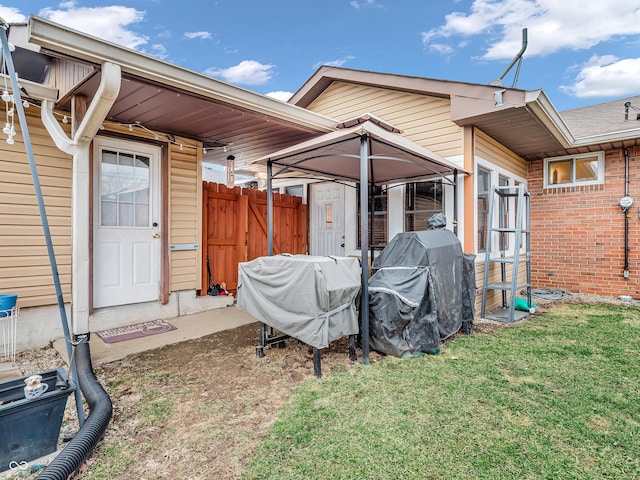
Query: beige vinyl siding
426	120
492	151
24	261
185	201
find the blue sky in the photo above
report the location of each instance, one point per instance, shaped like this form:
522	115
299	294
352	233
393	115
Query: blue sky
580	52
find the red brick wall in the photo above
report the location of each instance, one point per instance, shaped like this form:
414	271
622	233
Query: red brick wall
578	232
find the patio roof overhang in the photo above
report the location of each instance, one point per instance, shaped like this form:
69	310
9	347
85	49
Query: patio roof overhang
367	151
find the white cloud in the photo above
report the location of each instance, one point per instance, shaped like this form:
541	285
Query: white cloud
111	23
334	63
158	50
552	25
365	3
199	35
606	76
280	95
441	48
247	72
12	15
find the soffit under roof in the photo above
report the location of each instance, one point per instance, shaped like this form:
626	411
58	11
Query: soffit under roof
246	134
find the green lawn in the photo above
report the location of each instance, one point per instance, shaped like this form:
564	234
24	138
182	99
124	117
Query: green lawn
556	397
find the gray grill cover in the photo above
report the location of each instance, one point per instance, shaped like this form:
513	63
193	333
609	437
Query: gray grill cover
422	290
311	298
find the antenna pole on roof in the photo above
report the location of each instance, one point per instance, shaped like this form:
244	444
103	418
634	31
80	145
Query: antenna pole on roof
498	82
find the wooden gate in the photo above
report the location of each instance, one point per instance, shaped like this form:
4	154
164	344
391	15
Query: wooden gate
234	229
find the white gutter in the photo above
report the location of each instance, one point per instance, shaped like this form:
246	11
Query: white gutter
65	41
35	91
79	147
607	138
540	104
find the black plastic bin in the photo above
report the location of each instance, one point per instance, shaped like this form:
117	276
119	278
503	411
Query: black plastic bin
30	428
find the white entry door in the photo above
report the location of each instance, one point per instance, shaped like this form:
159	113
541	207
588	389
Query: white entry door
327	235
126	237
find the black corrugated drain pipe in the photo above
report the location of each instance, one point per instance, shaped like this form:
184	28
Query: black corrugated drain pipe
80	447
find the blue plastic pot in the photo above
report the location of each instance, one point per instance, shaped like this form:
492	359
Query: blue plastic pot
7	302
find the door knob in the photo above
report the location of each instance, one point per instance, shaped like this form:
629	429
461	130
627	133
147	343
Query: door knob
156	235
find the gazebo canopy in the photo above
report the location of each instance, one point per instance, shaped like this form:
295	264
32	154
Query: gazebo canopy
368	151
391	157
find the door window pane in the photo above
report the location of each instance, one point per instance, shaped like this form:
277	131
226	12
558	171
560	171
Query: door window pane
124	189
328	215
125	215
109	215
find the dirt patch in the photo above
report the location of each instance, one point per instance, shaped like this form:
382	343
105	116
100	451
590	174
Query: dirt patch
223	401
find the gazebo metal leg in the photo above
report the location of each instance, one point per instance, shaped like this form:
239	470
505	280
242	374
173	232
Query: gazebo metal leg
317	367
352	348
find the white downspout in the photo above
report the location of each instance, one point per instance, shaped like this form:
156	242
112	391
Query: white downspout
79	148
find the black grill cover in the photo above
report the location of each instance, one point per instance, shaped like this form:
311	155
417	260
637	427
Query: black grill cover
422	290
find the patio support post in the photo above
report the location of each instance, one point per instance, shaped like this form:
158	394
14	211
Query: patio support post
269	209
364	220
455	202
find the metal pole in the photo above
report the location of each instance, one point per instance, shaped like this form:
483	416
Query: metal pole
269	209
455	201
364	220
625	273
43	213
317	365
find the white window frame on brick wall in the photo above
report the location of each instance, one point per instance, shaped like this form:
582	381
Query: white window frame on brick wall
548	163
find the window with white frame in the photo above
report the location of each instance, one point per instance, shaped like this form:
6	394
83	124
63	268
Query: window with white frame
483	186
296	190
585	169
503	215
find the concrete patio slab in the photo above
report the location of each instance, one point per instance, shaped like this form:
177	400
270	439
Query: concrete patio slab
188	327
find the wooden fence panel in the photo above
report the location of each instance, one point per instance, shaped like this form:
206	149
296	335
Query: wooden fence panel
235	229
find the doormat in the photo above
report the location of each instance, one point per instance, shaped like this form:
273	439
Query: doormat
129	332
